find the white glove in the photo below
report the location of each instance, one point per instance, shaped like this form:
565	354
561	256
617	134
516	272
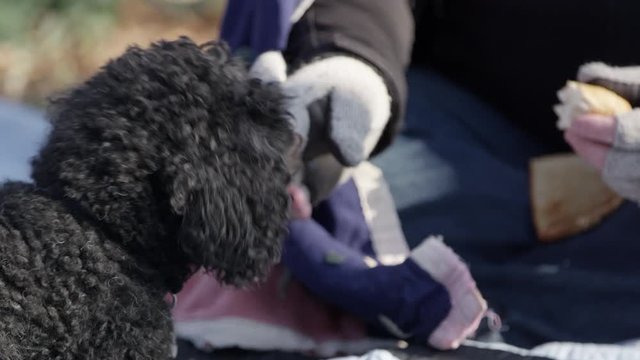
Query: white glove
355	104
269	67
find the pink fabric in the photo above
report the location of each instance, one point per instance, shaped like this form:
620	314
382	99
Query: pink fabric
203	298
467	305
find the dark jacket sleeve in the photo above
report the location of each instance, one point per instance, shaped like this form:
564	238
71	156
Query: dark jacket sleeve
377	31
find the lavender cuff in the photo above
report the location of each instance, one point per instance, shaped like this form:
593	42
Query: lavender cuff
622	167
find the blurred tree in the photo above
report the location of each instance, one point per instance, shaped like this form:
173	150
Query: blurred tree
18	18
46	45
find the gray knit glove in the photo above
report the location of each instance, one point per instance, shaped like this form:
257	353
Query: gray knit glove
339	105
356	104
621	169
342	97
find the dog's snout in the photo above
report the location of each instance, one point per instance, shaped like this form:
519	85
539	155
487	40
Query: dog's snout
294	155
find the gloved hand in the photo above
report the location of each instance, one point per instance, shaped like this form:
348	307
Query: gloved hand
467	304
430	297
341	97
343	103
611	144
339	105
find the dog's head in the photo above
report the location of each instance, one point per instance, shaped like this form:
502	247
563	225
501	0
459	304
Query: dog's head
180	137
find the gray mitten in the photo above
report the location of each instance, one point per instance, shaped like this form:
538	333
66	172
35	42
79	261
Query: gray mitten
622	167
340	107
348	101
345	106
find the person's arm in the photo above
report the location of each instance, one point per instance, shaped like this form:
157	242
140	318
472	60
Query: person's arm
611	144
429	296
377	32
347	89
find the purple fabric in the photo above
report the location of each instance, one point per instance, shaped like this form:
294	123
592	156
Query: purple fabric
326	254
258	25
349	224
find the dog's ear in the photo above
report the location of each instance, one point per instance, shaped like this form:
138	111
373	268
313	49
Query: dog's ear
232	222
225	165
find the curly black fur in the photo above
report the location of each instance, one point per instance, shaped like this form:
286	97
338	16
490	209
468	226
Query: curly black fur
168	159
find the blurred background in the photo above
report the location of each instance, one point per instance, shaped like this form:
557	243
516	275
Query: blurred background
47	45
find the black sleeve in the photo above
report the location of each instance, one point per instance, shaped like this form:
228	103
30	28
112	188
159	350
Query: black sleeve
379	32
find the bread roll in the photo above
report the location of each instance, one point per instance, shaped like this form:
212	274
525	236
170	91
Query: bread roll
579	98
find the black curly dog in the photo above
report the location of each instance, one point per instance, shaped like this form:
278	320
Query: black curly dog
168	159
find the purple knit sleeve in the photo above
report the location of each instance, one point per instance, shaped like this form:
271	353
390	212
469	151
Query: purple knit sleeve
402	300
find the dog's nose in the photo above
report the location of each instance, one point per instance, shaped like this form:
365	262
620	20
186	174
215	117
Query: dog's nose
294	156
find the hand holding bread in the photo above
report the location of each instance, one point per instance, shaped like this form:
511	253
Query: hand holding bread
572	193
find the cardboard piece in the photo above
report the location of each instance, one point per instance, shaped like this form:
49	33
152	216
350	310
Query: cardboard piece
568	196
